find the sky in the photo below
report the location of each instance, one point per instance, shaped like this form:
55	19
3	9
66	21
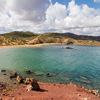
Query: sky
81	17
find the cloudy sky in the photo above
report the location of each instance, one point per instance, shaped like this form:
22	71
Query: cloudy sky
77	16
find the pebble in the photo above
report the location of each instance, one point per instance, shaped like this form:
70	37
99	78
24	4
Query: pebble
78	94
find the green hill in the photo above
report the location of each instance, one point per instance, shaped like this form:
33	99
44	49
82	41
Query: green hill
22	38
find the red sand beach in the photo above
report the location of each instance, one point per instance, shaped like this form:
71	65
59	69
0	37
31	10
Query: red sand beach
50	92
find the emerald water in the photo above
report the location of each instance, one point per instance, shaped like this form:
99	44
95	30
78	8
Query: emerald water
80	65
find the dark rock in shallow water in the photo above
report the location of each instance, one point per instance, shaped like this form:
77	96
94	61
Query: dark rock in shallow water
3	70
28	71
48	74
69	48
32	83
19	79
13	74
4	74
39	74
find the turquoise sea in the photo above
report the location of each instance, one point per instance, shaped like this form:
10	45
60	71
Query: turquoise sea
80	65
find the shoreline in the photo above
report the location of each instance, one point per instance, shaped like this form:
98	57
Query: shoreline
35	45
39	45
50	92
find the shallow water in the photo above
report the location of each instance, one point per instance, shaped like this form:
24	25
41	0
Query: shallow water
80	65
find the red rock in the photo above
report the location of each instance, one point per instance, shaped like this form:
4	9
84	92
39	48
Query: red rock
3	70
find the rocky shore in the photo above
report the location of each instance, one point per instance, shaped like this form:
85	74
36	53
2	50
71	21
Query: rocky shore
30	89
50	92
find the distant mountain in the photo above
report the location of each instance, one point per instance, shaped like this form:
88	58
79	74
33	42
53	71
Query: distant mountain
22	38
82	37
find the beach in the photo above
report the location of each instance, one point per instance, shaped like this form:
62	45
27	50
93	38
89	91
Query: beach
35	45
51	92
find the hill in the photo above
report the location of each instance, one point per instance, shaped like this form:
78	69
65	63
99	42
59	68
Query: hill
22	38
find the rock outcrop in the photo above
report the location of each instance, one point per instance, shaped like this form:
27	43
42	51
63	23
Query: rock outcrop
37	40
3	70
29	87
48	74
68	42
28	71
95	92
69	48
13	74
19	79
32	83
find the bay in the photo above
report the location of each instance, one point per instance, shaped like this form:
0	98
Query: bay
80	65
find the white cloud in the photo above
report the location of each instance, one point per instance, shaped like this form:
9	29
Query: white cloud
42	16
76	19
2	5
29	10
96	0
22	14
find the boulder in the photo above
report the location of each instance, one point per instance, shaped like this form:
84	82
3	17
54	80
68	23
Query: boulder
48	74
27	81
4	74
95	92
29	88
69	48
13	74
19	79
3	70
33	83
28	71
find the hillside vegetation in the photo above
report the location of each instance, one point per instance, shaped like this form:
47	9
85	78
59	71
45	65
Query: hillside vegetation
30	38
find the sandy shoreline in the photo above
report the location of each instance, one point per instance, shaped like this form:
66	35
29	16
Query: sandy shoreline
35	45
